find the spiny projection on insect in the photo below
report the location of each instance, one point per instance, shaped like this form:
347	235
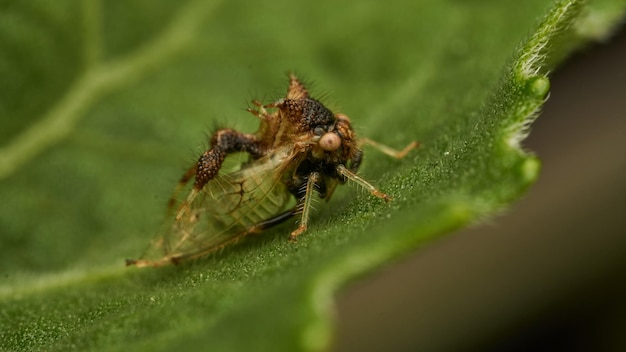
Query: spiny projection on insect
300	149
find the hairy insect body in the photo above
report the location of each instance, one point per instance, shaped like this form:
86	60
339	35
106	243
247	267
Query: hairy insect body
301	149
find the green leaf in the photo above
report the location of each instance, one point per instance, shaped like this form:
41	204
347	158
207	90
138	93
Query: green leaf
103	106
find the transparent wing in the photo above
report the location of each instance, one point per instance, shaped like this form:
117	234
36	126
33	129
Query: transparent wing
224	211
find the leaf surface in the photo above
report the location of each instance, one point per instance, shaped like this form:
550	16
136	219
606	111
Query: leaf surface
104	105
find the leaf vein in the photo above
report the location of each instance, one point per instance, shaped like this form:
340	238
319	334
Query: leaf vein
100	79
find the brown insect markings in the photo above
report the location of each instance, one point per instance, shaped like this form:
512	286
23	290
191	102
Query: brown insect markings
301	150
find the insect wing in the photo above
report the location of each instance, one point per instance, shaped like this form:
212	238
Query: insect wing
224	211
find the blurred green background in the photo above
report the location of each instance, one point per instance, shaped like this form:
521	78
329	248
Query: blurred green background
547	275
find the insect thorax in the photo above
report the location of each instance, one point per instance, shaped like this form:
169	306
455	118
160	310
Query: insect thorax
305	114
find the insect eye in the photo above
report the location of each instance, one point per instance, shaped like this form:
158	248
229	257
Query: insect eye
319	130
330	142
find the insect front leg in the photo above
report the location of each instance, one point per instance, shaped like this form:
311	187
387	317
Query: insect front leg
304	205
398	154
259	110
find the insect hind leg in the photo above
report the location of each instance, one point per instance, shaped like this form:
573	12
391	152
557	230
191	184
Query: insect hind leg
224	142
252	230
276	220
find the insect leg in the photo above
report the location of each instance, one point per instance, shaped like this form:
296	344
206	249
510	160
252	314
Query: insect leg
181	257
398	154
304	205
260	111
342	170
254	229
224	142
276	220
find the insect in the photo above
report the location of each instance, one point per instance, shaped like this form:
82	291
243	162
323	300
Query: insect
300	149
